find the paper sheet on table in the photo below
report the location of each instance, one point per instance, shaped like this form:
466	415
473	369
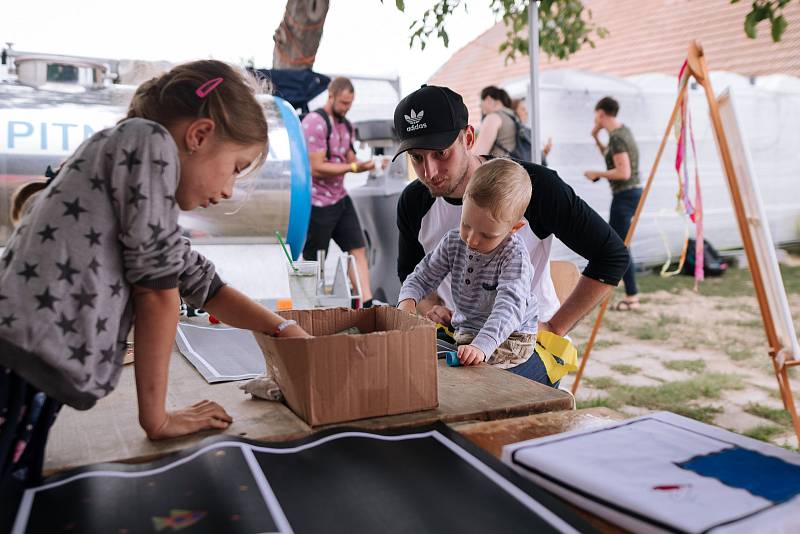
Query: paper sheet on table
221	353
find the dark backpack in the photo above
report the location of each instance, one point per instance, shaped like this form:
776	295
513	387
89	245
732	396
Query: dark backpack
713	265
522	148
321	112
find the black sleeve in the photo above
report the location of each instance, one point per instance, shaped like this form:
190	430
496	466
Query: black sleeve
556	209
414	203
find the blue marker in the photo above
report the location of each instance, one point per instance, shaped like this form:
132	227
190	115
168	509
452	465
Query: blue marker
452	358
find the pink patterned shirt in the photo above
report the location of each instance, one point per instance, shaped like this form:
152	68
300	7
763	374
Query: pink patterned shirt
328	190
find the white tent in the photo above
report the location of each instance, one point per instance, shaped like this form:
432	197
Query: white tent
770	112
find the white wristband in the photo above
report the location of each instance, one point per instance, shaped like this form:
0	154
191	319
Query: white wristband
283	326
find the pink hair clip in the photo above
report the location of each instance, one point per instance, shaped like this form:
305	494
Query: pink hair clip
207	87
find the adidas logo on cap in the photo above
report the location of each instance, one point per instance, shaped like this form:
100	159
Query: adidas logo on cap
414	120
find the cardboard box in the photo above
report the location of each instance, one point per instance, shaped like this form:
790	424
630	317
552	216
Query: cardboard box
389	368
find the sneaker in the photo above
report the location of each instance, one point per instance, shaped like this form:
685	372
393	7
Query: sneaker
195	312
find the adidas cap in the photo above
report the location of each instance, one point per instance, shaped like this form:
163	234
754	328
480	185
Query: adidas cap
430	118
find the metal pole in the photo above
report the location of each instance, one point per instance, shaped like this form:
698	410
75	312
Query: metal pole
533	87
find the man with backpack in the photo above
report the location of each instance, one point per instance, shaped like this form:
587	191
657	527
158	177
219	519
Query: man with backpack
329	138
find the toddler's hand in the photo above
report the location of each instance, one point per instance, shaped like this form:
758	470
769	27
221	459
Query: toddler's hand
408	306
440	314
470	355
201	416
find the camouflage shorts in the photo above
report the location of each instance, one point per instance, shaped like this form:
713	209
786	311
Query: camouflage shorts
512	352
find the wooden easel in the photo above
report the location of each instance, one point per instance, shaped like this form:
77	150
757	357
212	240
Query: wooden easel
699	71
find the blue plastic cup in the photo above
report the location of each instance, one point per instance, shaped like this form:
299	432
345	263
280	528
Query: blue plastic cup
452	358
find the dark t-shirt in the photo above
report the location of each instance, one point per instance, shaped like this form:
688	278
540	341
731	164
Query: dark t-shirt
619	141
554	209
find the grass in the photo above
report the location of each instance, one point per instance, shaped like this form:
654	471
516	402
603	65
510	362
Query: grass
692	343
764	432
649	331
734	283
601	382
791	279
655	378
692	366
677	396
733	329
605	343
746	307
595	402
752	323
705	414
599	344
667	320
738	353
732	325
625	369
613	326
772	392
776	415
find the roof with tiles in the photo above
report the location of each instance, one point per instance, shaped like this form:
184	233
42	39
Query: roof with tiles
644	37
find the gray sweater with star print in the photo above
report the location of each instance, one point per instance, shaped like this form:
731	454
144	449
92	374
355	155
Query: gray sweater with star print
107	222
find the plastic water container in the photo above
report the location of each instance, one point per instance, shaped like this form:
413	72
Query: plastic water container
303	284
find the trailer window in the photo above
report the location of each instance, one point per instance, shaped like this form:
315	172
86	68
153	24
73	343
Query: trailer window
57	72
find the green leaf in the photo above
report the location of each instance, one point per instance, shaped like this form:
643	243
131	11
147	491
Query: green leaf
401	5
564	25
778	27
750	25
762	12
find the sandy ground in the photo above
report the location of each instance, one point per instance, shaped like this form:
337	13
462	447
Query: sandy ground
725	334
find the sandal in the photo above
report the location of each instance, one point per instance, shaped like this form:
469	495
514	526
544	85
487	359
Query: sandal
626	305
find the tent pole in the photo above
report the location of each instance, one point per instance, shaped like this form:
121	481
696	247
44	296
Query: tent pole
533	87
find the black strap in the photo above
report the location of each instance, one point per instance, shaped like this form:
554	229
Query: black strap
322	113
517	124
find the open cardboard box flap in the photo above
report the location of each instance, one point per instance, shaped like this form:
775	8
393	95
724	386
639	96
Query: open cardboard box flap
389	368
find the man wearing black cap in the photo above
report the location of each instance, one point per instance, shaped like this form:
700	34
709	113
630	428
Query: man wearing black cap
432	123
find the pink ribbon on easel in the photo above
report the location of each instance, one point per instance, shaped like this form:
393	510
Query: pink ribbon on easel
694	211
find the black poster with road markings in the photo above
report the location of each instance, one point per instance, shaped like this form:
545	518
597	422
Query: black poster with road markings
426	479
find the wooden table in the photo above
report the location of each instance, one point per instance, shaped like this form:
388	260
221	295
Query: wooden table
110	431
493	435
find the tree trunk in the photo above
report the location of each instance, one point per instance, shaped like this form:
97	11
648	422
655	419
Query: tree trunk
299	33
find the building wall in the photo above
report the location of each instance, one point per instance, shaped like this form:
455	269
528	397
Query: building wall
645	36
